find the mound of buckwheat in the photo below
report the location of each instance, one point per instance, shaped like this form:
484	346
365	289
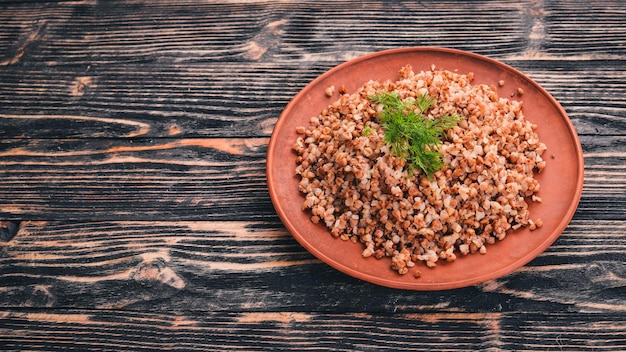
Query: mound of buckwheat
365	194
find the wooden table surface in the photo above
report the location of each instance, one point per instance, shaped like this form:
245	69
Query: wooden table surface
134	206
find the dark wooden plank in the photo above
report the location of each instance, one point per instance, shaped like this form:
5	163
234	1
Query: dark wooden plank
99	32
64	330
239	31
239	100
258	266
200	179
218	100
186	69
585	30
563	332
134	179
309	30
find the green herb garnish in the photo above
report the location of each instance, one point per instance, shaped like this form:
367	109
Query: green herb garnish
367	130
410	133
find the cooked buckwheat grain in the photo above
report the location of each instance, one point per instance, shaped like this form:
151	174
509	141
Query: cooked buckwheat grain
362	193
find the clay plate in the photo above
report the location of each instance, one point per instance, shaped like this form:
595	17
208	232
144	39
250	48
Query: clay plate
561	181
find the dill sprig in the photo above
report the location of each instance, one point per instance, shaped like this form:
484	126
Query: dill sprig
410	134
367	130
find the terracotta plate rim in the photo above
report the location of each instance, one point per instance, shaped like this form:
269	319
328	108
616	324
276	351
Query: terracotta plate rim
383	280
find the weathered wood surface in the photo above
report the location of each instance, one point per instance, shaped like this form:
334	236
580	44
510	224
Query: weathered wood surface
201	179
295	331
257	265
242	100
134	213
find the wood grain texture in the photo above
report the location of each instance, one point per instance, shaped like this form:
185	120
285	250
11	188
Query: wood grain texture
210	100
134	212
189	69
241	266
201	179
295	331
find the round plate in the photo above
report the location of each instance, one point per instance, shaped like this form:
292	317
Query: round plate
561	181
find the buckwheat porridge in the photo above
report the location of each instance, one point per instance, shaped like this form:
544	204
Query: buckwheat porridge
370	189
